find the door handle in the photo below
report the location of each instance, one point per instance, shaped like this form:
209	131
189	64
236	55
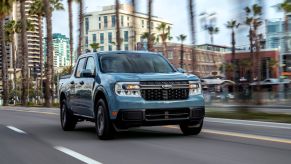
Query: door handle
82	82
72	82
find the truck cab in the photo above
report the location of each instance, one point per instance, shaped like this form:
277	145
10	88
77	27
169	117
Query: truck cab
122	89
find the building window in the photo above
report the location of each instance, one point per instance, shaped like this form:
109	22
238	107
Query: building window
189	56
105	22
122	20
110	48
170	55
152	25
86	41
101	48
109	37
94	38
99	19
113	21
125	36
125	46
99	26
142	23
87	25
102	38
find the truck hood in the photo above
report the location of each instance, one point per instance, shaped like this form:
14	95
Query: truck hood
132	77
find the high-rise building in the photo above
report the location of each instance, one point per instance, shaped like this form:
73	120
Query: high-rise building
100	27
33	42
61	46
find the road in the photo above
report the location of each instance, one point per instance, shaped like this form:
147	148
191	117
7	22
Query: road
33	136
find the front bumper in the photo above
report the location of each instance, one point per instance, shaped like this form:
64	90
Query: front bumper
155	117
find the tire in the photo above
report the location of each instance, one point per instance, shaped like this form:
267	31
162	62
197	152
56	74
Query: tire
190	129
68	120
103	124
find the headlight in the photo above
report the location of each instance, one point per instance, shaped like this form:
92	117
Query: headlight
130	89
194	88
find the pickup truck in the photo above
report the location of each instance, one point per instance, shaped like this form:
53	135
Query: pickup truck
121	89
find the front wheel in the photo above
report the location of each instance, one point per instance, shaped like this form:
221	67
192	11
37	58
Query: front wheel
103	124
190	129
68	120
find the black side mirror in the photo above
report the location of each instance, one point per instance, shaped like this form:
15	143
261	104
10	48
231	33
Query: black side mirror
181	70
87	73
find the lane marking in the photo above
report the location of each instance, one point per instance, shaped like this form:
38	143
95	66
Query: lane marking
16	129
241	135
77	155
250	123
28	111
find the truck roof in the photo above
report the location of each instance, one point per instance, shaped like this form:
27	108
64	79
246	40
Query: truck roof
119	52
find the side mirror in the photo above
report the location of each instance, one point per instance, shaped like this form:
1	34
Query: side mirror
87	73
181	70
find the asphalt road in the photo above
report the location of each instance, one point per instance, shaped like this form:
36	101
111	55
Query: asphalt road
33	136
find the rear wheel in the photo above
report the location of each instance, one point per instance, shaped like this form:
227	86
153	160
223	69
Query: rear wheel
191	129
103	124
68	120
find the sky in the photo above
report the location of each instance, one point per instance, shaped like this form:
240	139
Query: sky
176	11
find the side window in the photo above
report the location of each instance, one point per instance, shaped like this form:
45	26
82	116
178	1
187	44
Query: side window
80	67
91	64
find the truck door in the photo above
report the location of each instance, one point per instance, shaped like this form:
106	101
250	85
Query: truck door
87	88
76	84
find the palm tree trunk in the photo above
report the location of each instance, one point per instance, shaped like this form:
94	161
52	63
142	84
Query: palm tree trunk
4	64
25	78
70	12
286	33
14	60
150	44
233	53
118	39
182	56
48	90
39	19
81	22
193	39
134	24
211	38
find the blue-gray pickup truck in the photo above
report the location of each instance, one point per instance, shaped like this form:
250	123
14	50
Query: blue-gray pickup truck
122	89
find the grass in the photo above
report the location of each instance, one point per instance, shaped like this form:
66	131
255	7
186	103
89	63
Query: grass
251	115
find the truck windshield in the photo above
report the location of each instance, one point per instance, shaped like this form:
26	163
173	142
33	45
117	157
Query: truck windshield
134	63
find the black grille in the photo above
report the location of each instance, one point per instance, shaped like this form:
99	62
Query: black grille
167	114
153	90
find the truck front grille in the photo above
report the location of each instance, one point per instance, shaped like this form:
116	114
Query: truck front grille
164	90
167	114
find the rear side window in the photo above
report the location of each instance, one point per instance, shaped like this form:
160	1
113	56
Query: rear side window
80	67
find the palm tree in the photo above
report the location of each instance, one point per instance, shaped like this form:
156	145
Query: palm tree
49	67
232	25
70	12
211	31
95	46
81	23
182	38
133	2
164	35
118	39
24	50
146	36
10	30
38	9
286	8
254	21
5	9
193	35
150	42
